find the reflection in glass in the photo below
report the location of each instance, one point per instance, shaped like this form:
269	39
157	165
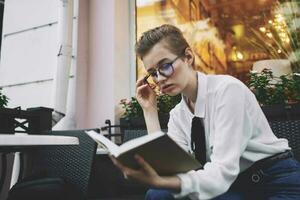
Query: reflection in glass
227	37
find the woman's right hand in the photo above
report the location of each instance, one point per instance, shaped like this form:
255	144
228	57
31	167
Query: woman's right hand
145	95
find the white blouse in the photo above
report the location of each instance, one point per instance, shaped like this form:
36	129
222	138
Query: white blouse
236	130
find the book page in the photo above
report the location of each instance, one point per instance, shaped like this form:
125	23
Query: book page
109	145
139	141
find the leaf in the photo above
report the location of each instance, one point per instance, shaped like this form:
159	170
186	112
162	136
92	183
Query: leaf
3	100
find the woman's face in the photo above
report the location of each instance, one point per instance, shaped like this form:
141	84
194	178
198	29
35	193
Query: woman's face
158	57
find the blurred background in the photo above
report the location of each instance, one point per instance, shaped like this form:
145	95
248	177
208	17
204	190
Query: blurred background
229	36
77	56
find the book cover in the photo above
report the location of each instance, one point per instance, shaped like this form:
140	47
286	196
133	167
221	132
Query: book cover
158	149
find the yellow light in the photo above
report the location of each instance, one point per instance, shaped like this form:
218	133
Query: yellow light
269	35
287	40
239	30
279	18
283	35
279	51
239	55
270	21
278	27
262	29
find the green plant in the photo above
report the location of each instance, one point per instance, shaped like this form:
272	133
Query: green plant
279	36
291	13
3	100
131	108
270	90
165	104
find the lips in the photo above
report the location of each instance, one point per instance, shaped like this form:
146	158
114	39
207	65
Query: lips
167	87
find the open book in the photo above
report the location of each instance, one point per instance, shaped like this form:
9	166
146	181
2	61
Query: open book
158	149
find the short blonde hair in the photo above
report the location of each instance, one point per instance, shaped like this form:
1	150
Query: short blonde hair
170	34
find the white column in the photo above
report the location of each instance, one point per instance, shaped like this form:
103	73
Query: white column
106	50
61	79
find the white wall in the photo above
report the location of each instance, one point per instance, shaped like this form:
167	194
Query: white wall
29	51
29	95
29	56
105	57
20	15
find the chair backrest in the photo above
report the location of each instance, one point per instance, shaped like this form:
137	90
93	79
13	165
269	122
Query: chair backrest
289	129
72	163
130	134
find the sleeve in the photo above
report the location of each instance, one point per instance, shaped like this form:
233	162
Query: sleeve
232	133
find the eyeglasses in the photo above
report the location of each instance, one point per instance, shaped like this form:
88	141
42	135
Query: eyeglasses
165	70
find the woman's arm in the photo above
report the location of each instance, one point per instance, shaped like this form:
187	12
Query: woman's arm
147	99
148	176
152	121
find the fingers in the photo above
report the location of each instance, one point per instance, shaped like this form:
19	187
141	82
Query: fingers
146	174
126	171
117	163
140	82
141	88
125	175
143	163
113	159
141	85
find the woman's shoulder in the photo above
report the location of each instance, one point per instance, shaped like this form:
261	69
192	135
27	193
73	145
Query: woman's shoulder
221	82
178	108
223	78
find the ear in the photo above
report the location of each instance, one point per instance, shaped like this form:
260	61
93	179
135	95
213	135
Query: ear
189	56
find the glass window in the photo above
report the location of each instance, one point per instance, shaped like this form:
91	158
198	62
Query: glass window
227	36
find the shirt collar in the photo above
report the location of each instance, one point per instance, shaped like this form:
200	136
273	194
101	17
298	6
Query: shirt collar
201	96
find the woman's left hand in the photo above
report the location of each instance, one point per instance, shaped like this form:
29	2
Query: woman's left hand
146	174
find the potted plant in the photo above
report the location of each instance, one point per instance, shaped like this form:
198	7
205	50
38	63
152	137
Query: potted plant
133	114
6	119
278	96
3	100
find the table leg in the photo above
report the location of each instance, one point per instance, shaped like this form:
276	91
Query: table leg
3	170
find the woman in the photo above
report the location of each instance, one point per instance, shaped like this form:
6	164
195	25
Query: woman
242	157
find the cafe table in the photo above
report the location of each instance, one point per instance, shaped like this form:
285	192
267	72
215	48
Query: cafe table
19	142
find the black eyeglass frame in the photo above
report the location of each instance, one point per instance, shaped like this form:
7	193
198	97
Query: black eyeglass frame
157	70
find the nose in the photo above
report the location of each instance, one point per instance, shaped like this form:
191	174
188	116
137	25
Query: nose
160	77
